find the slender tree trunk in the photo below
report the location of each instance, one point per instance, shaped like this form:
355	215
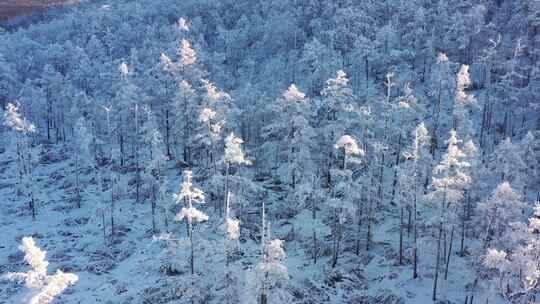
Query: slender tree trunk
437	262
112	210
401	237
226	203
191	259
463	229
409	221
449	253
437	112
153	206
77	186
103	224
394	184
314	217
415	239
438	258
167	132
33	207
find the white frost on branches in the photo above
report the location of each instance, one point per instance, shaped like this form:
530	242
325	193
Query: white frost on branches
233	150
232	228
348	143
292	94
14	120
183	24
207	115
191	194
442	57
213	93
124	69
166	61
463	81
46	286
275	254
188	56
494	258
191	213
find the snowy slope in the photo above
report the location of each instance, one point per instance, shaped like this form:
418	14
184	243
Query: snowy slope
128	271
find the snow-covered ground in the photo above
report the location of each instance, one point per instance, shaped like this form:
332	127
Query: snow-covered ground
127	269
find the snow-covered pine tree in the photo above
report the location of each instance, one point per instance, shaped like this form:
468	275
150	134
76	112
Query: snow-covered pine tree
506	164
441	93
337	116
25	156
529	147
449	181
213	115
81	151
188	195
463	105
155	170
233	156
44	287
186	108
266	279
411	182
344	193
496	215
518	267
231	229
126	100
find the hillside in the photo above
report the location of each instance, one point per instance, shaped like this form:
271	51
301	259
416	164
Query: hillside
271	152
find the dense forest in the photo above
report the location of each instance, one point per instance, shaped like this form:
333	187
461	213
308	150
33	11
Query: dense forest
280	151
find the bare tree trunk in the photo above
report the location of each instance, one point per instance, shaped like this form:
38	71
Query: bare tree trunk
112	210
77	186
436	115
415	244
449	253
227	166
438	258
314	216
167	133
394	184
153	206
437	262
401	237
463	228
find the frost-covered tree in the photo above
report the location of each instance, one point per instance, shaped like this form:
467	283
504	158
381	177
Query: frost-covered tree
189	195
125	100
231	230
23	129
7	81
82	146
343	192
411	180
289	136
154	173
213	116
463	104
496	215
186	108
44	287
447	187
506	164
529	147
336	114
518	267
309	222
233	156
266	280
441	93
